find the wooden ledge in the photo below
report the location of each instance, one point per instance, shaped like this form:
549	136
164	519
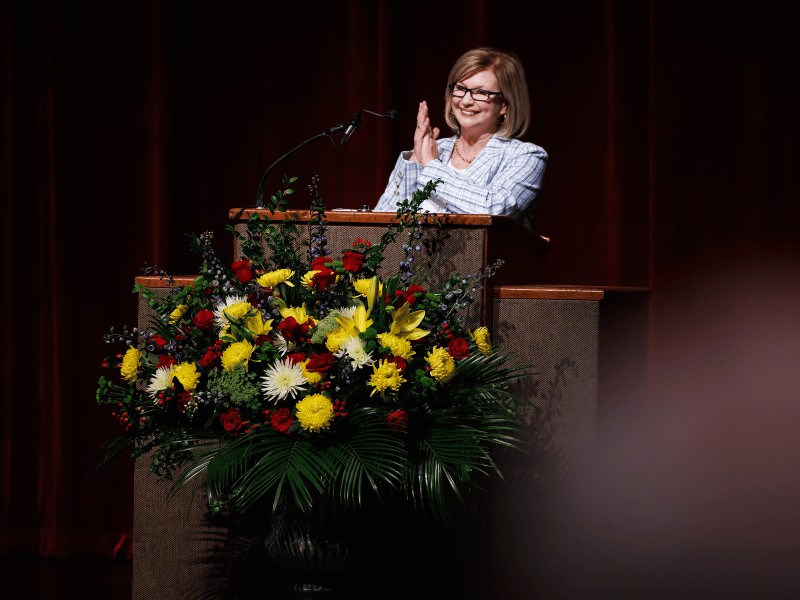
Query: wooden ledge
154	281
566	292
549	292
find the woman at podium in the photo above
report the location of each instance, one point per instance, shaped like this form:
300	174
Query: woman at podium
484	168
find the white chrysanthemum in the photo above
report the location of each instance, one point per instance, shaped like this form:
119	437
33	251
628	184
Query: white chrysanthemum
219	317
281	343
161	380
355	350
283	379
346	311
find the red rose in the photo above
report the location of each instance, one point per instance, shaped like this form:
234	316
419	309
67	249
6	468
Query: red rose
400	362
255	299
210	358
262	339
292	330
204	319
320	362
458	348
398	420
296	357
242	270
281	420
183	399
231	420
323	279
408	295
352	261
165	360
158	341
319	263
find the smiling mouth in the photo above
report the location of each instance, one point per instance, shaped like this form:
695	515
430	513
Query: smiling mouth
469	113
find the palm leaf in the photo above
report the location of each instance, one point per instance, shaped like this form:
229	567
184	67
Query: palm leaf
445	458
203	452
371	452
274	460
109	452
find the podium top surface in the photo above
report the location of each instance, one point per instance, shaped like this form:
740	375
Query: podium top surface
502	227
367	217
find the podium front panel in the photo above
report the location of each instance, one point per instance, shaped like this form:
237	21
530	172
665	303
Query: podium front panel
442	250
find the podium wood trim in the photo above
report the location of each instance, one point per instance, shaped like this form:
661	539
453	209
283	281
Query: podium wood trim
361	217
568	292
154	281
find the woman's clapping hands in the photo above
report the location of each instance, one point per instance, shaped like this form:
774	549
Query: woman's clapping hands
425	149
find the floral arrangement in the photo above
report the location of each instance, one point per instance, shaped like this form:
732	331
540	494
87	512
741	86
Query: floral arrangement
290	372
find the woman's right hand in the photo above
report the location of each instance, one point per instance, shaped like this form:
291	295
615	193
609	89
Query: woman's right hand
425	148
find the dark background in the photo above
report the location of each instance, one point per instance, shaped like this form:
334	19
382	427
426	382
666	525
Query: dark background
671	129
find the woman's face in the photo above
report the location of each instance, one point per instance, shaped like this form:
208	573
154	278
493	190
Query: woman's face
477	117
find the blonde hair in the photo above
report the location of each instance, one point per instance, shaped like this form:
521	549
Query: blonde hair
507	68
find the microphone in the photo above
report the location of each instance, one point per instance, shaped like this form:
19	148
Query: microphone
352	125
355	121
392	114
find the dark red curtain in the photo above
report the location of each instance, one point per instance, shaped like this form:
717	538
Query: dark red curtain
670	127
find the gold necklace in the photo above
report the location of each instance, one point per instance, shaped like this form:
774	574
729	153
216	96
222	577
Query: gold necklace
468	161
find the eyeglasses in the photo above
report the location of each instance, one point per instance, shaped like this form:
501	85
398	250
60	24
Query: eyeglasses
459	91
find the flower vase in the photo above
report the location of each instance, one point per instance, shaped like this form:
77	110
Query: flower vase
318	546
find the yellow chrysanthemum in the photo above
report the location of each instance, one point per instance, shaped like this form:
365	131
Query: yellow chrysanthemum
315	412
235	354
385	376
179	311
443	367
335	339
311	376
130	364
306	279
404	323
481	337
273	278
298	312
187	374
399	346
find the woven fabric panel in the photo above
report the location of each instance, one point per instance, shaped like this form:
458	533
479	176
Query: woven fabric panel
560	338
447	251
179	551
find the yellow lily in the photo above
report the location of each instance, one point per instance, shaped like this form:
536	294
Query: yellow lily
370	289
357	324
257	326
298	312
404	323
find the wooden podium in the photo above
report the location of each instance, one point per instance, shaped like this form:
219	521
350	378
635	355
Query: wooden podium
556	328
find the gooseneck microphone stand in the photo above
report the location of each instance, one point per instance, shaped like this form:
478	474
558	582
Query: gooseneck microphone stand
348	129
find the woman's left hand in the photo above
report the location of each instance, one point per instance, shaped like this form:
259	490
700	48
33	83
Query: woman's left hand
425	148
